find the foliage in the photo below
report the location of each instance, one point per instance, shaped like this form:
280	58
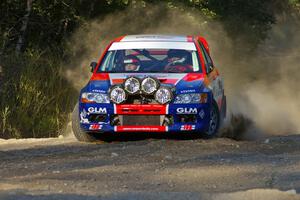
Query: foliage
35	100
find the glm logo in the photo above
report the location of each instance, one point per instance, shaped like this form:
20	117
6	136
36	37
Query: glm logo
97	110
187	110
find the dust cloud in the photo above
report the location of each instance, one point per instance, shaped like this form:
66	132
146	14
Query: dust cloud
262	87
268	83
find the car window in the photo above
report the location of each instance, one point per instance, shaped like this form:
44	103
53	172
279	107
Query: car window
150	60
207	59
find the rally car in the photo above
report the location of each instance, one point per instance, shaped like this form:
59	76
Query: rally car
152	83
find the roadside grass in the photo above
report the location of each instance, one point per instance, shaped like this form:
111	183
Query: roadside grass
36	99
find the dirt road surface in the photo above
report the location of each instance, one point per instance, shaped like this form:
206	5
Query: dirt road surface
150	168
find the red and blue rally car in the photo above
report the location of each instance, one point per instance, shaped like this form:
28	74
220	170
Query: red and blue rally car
152	83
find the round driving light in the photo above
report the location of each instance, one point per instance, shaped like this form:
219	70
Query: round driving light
186	98
178	99
132	85
90	96
117	94
163	95
149	85
101	98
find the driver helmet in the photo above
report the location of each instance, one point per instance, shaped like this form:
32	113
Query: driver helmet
132	63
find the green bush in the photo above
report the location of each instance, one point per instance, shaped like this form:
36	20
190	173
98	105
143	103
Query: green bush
36	99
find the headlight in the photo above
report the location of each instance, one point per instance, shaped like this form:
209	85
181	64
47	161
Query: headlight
191	98
117	94
132	85
149	85
163	95
90	97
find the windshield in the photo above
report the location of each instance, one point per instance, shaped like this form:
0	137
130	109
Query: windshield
150	60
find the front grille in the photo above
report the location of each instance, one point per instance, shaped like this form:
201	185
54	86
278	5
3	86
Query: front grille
141	120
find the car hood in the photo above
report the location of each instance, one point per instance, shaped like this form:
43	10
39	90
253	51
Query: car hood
183	82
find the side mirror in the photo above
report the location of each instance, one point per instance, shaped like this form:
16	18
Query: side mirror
93	65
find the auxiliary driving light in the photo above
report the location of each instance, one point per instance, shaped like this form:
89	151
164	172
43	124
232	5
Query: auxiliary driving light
163	95
149	85
132	85
117	94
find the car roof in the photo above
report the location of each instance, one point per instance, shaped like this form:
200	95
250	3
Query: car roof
156	38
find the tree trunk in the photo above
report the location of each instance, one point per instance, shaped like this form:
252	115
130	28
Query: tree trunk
92	8
23	29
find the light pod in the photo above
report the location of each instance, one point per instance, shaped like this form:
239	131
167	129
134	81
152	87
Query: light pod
149	85
132	85
163	95
117	94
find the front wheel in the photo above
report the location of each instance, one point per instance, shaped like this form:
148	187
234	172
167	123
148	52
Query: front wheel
214	122
80	134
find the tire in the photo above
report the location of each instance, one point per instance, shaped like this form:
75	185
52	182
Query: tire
80	134
214	122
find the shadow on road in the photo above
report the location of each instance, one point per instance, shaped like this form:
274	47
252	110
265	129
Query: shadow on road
128	137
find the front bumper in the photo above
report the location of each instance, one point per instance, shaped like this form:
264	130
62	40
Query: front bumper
200	113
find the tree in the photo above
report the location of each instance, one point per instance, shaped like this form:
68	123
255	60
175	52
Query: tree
23	30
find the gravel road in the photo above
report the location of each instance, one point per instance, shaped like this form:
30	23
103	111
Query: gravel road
161	167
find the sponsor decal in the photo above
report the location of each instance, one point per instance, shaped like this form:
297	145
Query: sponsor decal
202	114
98	91
141	128
187	91
95	127
97	110
83	117
187	127
136	109
173	78
186	110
